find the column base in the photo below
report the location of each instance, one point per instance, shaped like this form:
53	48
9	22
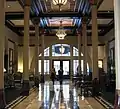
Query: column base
36	80
96	88
25	88
42	79
2	99
117	101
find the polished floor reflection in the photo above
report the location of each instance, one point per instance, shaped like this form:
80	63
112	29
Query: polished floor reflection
65	96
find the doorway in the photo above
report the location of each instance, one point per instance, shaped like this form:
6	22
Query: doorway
65	65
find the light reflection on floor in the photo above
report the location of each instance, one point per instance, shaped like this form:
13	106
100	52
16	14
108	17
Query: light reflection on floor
62	97
56	97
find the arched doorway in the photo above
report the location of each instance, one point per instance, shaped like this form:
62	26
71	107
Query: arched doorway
61	55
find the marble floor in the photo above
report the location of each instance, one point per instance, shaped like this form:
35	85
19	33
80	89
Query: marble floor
65	96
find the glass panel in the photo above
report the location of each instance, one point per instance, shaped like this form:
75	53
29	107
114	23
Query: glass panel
40	66
61	50
75	66
66	67
57	66
75	51
82	66
46	66
46	51
88	68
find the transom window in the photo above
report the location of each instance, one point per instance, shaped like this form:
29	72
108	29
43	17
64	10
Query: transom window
61	50
75	52
46	66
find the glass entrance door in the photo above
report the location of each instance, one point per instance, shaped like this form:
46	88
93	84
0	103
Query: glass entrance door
64	64
56	65
66	67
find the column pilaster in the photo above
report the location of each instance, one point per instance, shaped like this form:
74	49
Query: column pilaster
36	23
106	51
117	52
84	36
95	73
6	63
16	57
51	58
2	46
42	59
25	87
79	51
71	62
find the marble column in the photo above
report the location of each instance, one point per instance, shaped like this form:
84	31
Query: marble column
36	21
84	36
2	46
117	51
79	51
25	87
95	73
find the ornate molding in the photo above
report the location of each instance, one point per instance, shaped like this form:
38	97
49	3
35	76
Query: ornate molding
27	2
36	20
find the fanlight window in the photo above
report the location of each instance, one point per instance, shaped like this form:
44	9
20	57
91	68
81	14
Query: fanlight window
61	50
75	52
46	52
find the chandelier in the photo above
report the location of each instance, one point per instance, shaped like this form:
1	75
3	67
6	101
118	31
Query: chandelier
59	2
61	32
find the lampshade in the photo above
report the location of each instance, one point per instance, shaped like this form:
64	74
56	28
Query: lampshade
59	2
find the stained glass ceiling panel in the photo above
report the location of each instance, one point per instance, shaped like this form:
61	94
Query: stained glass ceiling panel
65	22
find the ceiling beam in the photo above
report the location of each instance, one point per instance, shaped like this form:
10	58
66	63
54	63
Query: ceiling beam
14	29
47	34
11	0
89	27
20	15
32	45
106	30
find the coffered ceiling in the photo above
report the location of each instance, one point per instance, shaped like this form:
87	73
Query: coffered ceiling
50	16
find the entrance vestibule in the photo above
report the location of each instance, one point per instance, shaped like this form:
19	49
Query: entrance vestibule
64	64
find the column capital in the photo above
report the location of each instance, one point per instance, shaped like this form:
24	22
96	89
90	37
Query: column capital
84	20
27	3
36	21
79	32
42	31
93	2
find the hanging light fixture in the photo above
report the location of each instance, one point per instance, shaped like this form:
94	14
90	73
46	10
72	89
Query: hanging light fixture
61	32
59	3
